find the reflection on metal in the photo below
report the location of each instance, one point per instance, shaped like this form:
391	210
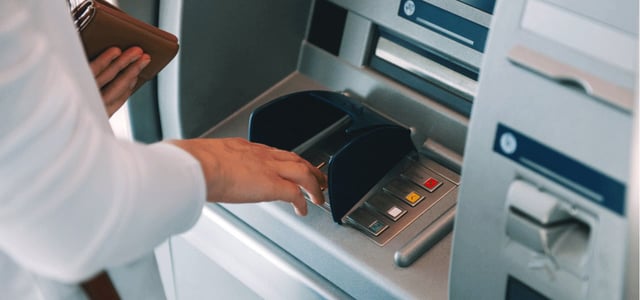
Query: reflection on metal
425	240
564	74
427	69
581	34
251	258
445	31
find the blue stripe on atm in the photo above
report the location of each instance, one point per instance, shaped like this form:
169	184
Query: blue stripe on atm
447	24
564	170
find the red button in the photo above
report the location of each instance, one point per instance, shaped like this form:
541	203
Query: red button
431	183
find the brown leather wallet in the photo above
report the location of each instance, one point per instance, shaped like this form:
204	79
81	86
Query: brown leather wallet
103	25
100	287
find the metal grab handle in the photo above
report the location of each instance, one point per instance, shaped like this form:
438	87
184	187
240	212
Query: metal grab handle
425	240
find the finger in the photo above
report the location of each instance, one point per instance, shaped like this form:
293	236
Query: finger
320	177
125	59
116	93
286	191
305	176
282	155
127	79
290	192
115	104
103	60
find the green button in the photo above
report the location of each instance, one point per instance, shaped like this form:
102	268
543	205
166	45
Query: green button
377	227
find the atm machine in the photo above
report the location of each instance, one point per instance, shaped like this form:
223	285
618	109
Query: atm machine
474	150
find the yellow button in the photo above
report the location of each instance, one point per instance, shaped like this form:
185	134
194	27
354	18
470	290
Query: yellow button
413	197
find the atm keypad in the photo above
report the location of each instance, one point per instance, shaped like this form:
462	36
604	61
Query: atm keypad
376	191
398	200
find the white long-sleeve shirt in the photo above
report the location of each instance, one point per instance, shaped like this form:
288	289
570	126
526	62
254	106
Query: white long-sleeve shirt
73	198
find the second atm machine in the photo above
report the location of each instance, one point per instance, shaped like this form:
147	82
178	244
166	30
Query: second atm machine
388	98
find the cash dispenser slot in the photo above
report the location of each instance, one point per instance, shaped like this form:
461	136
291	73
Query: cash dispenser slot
542	223
426	70
376	183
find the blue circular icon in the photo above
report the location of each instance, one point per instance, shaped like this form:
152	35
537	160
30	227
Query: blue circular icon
508	143
409	8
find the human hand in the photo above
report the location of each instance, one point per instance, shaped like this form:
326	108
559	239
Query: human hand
238	171
116	74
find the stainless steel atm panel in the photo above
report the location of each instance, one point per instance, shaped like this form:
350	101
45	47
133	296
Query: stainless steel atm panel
545	171
544	207
406	62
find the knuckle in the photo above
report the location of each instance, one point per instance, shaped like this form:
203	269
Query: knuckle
299	168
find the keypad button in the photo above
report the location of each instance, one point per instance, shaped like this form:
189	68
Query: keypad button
377	227
413	198
365	219
405	191
395	212
386	205
431	184
424	178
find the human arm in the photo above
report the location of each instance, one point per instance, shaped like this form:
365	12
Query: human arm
73	198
